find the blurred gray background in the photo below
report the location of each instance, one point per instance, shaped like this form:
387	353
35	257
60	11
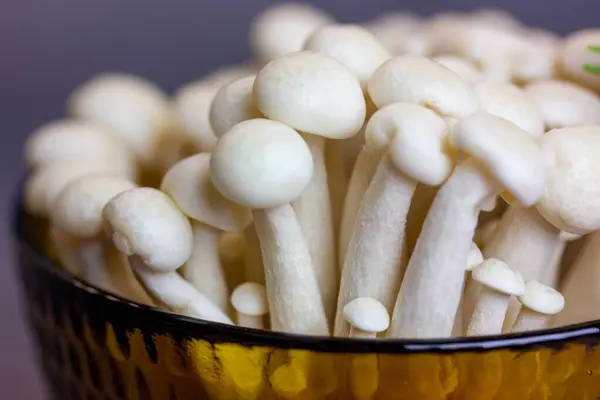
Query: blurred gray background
49	46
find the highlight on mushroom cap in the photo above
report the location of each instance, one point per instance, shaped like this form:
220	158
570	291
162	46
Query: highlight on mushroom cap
261	164
542	299
496	275
250	298
367	314
312	93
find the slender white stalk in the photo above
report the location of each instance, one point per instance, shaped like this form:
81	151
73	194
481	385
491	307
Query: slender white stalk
551	274
372	266
123	276
204	269
430	293
250	321
488	316
313	209
177	294
294	299
529	320
362	174
94	267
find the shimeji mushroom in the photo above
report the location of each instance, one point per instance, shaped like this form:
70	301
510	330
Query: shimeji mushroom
45	184
499	283
367	318
527	239
264	165
463	315
133	108
416	140
188	184
575	55
70	139
250	303
552	273
421	81
359	51
77	212
145	225
316	95
283	29
540	303
504	160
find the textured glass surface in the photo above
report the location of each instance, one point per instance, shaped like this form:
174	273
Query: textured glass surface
93	346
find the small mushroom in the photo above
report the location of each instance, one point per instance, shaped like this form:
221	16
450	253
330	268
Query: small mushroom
415	137
283	29
498	282
575	54
264	165
77	212
563	103
250	302
504	159
318	96
188	184
70	139
540	303
367	317
551	275
359	51
145	225
133	108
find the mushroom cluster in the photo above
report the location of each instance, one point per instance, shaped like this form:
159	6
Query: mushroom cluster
404	178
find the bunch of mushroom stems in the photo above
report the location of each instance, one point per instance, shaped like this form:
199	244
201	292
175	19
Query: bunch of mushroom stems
402	178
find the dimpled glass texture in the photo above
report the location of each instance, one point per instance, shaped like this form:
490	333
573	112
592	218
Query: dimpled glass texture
91	345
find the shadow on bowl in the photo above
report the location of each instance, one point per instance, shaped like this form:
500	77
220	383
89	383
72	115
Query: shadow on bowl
93	345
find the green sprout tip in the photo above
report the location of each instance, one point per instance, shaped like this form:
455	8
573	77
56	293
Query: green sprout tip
594	69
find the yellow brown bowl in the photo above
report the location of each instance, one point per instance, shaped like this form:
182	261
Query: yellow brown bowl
93	345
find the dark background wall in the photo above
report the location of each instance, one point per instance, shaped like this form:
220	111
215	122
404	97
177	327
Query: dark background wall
49	46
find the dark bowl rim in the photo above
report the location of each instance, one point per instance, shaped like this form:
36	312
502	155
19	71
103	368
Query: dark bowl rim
588	332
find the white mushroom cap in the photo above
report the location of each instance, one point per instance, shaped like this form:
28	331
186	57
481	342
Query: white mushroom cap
367	314
511	103
443	30
46	183
250	298
419	80
133	108
69	139
542	299
261	164
494	17
394	22
188	183
475	257
416	137
312	93
283	29
462	67
353	46
575	54
570	197
78	208
232	104
496	275
563	103
509	154
146	222
192	106
569	237
401	32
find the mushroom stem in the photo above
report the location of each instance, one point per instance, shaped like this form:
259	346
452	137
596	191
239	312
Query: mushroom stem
124	278
364	169
529	320
253	264
489	312
250	321
176	293
337	180
204	269
93	266
372	265
430	293
551	275
525	241
313	210
295	302
357	333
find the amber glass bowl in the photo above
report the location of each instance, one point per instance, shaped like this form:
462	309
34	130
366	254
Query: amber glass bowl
92	345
